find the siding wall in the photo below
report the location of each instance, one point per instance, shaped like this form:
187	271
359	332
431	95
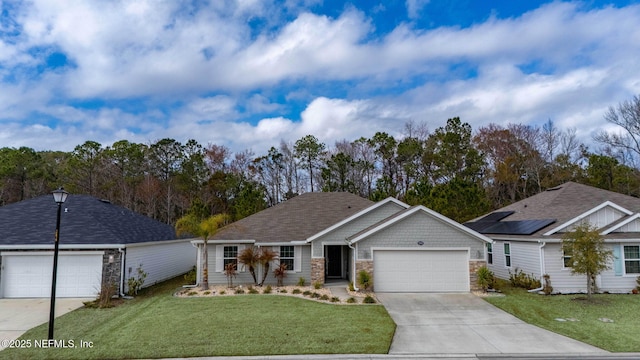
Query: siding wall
160	260
421	227
525	256
338	236
600	218
244	276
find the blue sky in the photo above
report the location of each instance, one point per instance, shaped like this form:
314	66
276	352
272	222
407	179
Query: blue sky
250	73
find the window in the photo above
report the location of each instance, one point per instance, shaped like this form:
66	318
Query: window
567	262
287	256
507	255
632	259
489	253
230	255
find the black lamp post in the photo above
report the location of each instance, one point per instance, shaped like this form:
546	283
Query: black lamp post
59	196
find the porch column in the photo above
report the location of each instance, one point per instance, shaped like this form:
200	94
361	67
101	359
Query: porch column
317	270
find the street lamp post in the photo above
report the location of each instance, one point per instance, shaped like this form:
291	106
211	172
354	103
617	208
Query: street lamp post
59	196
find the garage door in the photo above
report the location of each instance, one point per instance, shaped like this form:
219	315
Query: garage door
29	275
421	271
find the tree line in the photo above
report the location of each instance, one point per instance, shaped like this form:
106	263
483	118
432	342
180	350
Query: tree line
454	170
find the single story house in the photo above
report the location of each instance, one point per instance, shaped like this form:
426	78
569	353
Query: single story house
330	236
100	244
528	235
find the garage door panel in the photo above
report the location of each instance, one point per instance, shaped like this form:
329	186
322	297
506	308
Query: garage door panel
78	275
421	271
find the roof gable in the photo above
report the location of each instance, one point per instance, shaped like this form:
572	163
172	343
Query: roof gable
379	204
390	221
600	216
84	220
630	224
295	219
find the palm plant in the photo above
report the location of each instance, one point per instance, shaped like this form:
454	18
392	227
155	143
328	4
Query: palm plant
230	273
204	228
265	258
250	258
280	273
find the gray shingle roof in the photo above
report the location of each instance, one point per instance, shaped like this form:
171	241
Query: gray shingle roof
295	219
84	220
564	203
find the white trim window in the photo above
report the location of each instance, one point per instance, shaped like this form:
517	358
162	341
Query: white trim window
632	259
489	253
567	259
287	256
230	255
507	254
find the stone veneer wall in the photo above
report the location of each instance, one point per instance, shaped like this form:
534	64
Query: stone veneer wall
317	270
474	265
366	265
111	271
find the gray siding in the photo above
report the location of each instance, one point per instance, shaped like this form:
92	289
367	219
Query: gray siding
244	276
338	236
421	227
160	260
525	256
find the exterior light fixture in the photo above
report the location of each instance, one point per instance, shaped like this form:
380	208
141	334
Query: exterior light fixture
59	196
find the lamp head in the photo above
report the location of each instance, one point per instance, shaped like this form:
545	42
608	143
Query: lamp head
60	196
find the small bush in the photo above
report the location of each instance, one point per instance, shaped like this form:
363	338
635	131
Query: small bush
638	282
306	293
351	288
283	291
351	300
253	290
267	290
239	291
191	293
369	300
317	285
190	277
364	279
522	280
296	291
206	292
107	292
222	292
335	299
324	297
135	283
547	289
485	278
301	281
315	295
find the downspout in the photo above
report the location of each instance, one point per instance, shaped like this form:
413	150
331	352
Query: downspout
123	259
355	253
197	268
541	269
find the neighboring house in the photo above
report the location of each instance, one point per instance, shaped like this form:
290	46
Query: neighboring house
100	244
528	236
326	236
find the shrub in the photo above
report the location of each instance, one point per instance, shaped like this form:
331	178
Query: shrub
301	281
547	289
351	287
296	291
364	279
317	285
315	295
306	293
522	280
267	290
135	283
485	278
284	291
206	292
324	297
335	299
190	277
280	273
351	300
253	290
191	293
107	292
239	291
369	300
222	292
638	282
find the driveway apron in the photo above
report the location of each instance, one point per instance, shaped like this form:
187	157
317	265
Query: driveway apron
466	324
19	315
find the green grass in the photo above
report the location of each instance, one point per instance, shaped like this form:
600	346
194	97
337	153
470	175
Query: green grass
156	324
618	336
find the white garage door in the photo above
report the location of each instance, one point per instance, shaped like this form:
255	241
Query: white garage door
25	275
421	271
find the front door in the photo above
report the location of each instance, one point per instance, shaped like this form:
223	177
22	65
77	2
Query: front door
334	261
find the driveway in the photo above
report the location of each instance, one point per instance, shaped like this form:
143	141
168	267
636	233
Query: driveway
466	324
19	315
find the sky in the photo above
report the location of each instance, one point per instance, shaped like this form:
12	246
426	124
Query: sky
247	74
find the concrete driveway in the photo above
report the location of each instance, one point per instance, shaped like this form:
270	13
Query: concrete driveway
19	315
466	324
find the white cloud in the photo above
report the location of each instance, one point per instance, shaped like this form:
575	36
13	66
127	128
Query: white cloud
414	7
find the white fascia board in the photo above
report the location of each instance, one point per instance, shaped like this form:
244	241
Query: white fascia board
47	253
151	243
282	243
357	215
587	213
428	211
618	226
62	246
217	242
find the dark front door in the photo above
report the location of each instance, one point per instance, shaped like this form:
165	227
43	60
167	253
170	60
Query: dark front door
334	261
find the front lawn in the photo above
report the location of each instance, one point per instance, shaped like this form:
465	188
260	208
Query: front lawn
157	324
575	317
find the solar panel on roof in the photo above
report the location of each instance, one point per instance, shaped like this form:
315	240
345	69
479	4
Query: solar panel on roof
522	227
497	216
